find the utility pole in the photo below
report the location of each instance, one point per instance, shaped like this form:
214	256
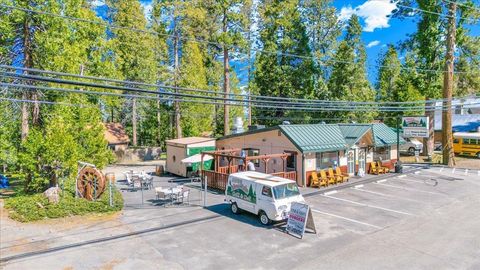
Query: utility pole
447	138
226	79
178	127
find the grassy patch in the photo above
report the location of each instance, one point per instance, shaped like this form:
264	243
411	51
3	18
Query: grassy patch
26	208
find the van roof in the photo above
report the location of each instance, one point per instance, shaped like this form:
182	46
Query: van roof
262	178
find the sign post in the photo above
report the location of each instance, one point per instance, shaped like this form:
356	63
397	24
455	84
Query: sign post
299	219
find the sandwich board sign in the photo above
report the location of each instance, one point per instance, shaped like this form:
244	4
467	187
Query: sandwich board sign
299	219
415	126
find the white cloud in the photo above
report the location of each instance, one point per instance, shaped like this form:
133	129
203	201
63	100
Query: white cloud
374	13
373	43
97	3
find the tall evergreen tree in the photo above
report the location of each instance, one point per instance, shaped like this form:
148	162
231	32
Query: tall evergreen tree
348	80
134	50
276	73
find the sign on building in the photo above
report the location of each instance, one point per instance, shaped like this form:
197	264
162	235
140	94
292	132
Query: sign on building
415	126
300	218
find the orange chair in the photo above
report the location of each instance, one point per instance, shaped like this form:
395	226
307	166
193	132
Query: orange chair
338	178
339	173
374	169
330	180
380	165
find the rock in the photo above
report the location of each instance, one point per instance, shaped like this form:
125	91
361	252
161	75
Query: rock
52	194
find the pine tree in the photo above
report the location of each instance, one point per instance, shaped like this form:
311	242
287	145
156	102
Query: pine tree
348	80
281	75
134	50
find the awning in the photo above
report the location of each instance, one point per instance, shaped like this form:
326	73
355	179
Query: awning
196	158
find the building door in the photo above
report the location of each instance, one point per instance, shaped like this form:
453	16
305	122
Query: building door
362	159
351	161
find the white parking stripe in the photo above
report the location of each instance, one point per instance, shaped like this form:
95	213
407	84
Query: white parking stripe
386	195
368	205
411	180
412	189
345	218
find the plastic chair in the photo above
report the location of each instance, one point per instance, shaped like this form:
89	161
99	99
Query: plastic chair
330	180
380	165
338	179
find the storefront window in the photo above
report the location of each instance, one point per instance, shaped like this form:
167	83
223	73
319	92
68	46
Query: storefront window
381	153
291	161
326	159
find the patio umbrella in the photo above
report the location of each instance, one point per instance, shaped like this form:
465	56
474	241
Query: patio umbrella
196	158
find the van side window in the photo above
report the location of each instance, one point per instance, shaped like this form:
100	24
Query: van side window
455	140
266	191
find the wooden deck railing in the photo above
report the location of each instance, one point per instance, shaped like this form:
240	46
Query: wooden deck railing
233	169
218	180
289	175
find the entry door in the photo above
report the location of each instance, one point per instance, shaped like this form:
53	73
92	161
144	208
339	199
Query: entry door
351	161
362	159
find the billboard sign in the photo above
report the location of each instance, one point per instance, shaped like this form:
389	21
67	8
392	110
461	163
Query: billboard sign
415	126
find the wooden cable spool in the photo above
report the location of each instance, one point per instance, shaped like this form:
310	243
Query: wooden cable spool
90	183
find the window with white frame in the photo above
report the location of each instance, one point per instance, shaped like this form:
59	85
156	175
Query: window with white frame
381	153
326	159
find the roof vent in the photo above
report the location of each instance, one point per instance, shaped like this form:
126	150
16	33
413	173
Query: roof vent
353	122
237	126
323	123
286	123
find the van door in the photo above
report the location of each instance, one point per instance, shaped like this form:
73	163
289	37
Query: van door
264	198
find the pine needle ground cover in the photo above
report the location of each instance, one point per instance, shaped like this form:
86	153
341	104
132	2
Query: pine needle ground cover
33	207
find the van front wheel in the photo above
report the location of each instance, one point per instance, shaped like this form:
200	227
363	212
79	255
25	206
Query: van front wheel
234	208
263	218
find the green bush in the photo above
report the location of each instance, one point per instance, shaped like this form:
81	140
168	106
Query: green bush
26	208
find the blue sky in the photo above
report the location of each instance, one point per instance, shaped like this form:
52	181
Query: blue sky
379	29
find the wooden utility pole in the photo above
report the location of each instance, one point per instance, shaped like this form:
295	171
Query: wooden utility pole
134	121
447	138
178	127
226	80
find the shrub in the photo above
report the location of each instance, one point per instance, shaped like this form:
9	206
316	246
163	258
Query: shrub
26	208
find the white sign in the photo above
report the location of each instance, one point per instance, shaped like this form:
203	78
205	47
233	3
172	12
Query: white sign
416	126
299	218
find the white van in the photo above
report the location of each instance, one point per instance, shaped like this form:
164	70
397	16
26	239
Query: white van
411	145
264	195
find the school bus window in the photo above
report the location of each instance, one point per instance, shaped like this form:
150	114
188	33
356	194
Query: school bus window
455	140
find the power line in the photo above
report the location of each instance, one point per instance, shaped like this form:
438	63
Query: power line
324	61
436	13
462	5
196	90
304	109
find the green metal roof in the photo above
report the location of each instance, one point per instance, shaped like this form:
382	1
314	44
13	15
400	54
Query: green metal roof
353	132
316	137
383	135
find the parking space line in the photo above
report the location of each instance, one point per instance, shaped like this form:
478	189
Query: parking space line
412	189
345	218
386	195
368	205
411	180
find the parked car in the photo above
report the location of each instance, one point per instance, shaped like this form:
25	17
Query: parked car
411	146
267	196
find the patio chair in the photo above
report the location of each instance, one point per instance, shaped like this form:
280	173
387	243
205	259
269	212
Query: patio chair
380	165
338	178
128	178
184	195
339	173
330	180
162	195
374	169
314	182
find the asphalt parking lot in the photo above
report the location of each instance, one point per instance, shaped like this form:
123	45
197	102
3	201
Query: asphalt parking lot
423	220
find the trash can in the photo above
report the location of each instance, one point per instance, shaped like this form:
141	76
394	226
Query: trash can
398	167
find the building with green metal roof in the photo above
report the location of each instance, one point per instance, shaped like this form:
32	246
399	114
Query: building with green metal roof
318	146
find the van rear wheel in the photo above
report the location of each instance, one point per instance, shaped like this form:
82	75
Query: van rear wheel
411	151
234	208
264	218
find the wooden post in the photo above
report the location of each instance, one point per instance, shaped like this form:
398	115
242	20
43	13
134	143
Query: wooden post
229	165
265	160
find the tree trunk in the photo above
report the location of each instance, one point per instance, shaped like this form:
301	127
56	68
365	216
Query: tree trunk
134	122
178	127
447	138
226	81
27	63
249	74
159	122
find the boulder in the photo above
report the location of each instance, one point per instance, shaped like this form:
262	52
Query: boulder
53	194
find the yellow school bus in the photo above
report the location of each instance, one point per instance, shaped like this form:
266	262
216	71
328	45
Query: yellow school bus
466	143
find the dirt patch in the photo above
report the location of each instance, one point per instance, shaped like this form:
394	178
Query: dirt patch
111	264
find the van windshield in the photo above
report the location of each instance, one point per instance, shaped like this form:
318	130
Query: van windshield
285	191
